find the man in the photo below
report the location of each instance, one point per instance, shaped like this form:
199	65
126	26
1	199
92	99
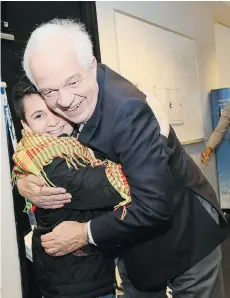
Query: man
217	135
174	224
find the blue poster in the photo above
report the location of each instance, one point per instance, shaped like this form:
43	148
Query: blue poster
219	99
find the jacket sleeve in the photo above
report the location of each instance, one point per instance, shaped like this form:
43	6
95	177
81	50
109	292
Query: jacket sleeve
88	186
139	145
221	128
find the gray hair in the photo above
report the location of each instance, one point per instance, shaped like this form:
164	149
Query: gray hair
66	27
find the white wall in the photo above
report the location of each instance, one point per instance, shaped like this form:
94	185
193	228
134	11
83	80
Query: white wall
10	270
222	37
193	19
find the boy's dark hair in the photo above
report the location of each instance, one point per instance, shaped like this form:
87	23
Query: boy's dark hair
22	88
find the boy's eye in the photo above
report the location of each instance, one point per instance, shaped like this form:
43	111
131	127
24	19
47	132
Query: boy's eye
38	116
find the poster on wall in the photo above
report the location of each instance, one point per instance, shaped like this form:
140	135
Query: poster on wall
219	99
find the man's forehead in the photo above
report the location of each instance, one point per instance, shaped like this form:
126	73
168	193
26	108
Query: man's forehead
53	72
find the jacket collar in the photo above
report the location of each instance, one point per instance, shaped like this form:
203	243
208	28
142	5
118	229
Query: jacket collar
92	124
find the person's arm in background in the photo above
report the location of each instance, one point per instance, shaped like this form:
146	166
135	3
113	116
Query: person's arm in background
138	143
89	187
217	135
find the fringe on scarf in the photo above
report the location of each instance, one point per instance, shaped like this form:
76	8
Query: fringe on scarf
34	152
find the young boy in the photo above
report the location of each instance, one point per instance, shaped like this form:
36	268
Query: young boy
47	149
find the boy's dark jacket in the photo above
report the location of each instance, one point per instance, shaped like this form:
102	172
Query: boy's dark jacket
86	273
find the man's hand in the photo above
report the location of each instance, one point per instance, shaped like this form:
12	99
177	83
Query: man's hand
35	190
67	237
206	155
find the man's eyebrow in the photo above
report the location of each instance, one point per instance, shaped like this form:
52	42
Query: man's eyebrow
47	89
38	111
66	82
78	75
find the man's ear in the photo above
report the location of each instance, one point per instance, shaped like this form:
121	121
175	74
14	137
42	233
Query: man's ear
25	126
93	64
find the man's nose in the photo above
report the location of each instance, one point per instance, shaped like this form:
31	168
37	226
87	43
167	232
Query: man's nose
65	98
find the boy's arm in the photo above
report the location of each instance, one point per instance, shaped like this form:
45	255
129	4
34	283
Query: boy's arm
89	187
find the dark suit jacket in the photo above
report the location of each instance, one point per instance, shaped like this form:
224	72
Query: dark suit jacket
168	225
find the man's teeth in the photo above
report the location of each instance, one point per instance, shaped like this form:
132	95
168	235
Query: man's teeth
74	107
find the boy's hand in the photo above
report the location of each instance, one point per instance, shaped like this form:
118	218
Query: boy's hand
35	190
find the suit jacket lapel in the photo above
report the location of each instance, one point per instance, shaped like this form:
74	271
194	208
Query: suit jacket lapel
92	124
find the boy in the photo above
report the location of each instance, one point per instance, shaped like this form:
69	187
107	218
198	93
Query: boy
86	273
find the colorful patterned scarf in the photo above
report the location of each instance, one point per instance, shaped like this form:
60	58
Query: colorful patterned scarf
34	152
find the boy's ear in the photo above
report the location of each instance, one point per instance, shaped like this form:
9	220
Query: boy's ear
25	126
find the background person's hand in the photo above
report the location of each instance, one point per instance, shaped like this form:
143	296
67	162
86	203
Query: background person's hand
35	190
65	238
206	155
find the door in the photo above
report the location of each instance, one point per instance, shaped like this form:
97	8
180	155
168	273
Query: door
22	17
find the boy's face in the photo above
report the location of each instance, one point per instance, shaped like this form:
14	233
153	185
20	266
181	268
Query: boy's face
41	120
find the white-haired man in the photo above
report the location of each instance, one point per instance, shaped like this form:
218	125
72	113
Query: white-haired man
174	225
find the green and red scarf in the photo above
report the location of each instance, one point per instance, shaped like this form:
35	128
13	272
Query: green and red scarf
34	152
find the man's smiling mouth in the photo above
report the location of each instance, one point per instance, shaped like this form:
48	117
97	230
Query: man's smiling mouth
75	106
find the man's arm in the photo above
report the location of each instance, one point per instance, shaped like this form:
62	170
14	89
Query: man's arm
138	143
89	187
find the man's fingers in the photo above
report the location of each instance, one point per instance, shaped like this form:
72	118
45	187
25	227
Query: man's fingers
56	199
53	252
49	237
48	244
49	191
56	206
59	254
51	205
50	251
60	198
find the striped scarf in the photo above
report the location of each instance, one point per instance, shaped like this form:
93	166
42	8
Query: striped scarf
34	152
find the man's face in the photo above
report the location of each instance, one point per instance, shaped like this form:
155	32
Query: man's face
68	89
41	120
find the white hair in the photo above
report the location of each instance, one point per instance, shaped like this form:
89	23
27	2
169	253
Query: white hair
62	27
